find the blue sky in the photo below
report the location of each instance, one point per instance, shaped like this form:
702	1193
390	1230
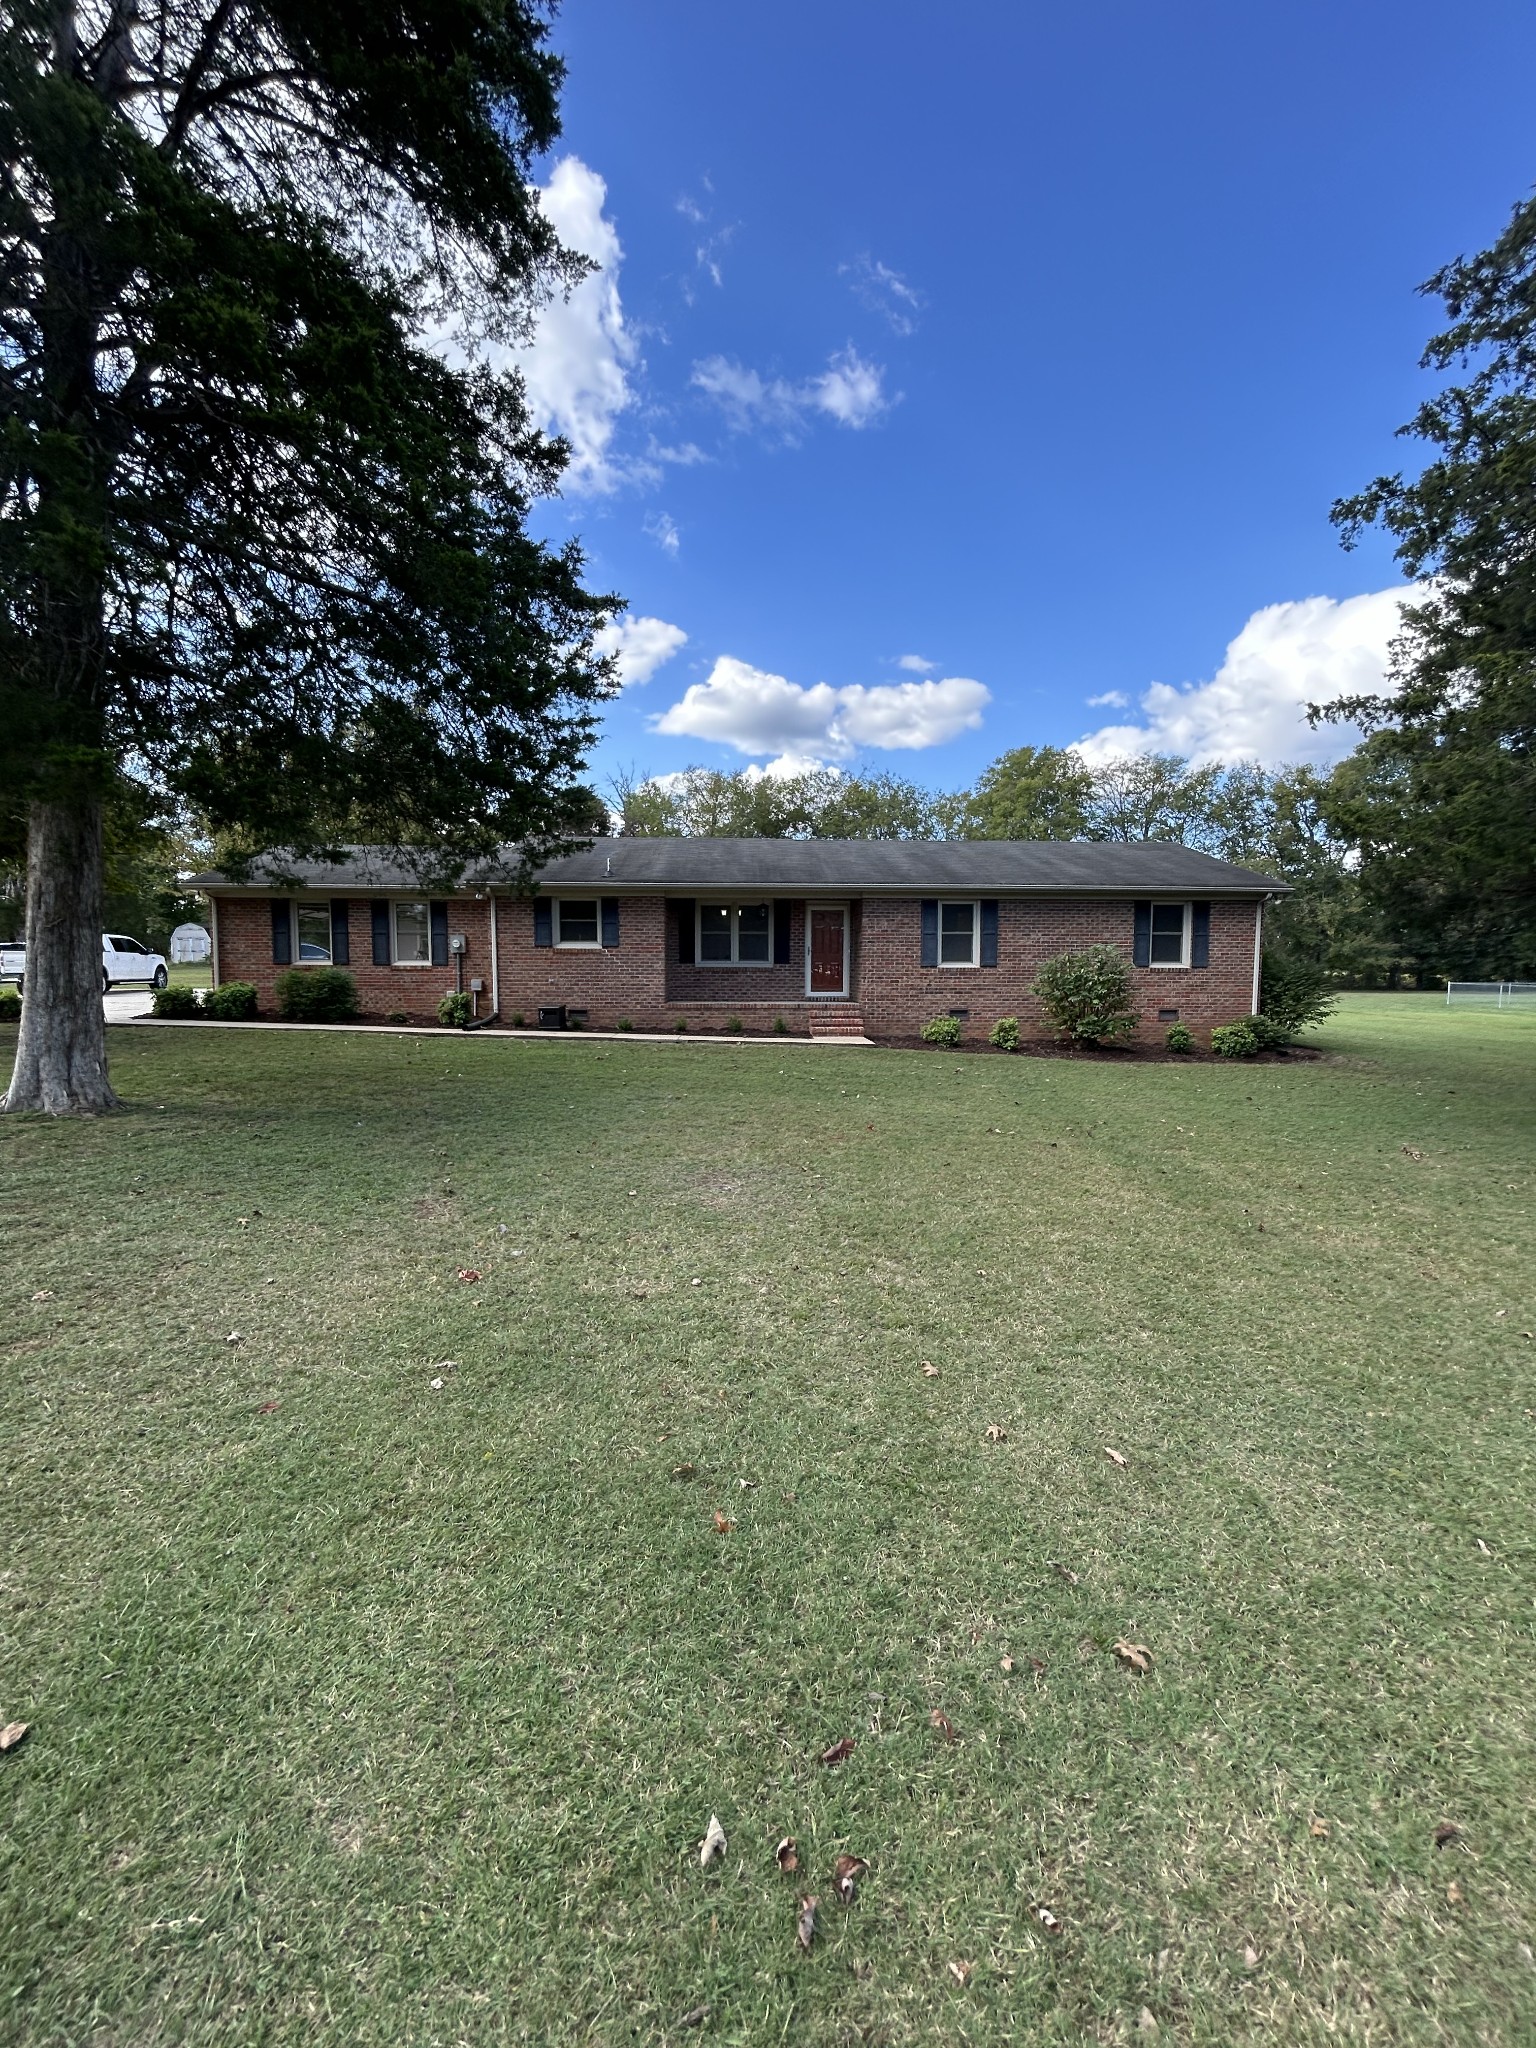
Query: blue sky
951	368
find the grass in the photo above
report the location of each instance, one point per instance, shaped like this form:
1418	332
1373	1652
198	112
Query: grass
396	1713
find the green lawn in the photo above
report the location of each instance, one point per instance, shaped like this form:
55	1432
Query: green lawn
396	1713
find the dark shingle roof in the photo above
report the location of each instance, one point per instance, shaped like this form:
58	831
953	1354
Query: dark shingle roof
906	866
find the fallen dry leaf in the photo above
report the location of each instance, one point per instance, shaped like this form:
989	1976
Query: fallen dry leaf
930	1372
44	1294
723	1523
1320	1829
1448	1831
1412	1152
1146	2023
713	1845
840	1751
1047	1919
1250	1957
1454	1895
684	1471
961	1972
943	1723
996	1434
234	1337
269	1407
696	2018
12	1733
1005	1663
846	1872
469	1274
1116	1458
1065	1571
786	1856
805	1930
1136	1655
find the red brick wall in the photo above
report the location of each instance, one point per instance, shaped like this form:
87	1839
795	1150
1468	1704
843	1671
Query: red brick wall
642	980
897	994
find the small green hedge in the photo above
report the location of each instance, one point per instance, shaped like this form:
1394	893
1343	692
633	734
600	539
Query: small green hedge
175	1002
1237	1041
1005	1034
942	1031
455	1010
10	1006
1087	995
316	995
233	1002
1180	1038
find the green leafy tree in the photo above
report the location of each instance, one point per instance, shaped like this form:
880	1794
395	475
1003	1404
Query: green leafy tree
1031	793
1458	867
262	548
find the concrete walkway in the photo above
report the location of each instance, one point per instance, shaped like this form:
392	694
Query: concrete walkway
141	1016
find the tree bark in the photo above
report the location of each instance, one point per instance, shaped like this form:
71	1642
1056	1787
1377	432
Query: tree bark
61	1055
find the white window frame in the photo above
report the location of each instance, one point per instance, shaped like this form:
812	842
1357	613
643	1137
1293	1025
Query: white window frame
973	904
828	995
576	945
300	905
735	905
1167	903
396	903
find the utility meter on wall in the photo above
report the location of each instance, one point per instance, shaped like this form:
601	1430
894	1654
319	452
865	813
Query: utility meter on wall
456	943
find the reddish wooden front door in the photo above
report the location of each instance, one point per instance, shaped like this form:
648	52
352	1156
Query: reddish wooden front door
827	950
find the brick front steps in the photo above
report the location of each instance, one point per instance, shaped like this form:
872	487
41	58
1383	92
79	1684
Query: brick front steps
836	1020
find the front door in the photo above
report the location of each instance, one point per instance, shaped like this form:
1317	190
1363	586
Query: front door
828	949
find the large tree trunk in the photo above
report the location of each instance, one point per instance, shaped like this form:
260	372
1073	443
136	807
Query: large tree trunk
61	1056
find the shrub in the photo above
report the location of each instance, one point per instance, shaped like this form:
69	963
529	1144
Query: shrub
232	1002
316	995
1234	1041
624	1024
1293	993
1271	1035
942	1031
518	1020
455	1010
1005	1034
10	1006
734	1024
175	1002
681	1024
1180	1038
780	1028
1087	995
397	1017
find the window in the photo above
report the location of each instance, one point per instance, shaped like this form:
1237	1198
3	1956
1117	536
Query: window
314	920
736	934
957	935
576	921
1170	922
413	935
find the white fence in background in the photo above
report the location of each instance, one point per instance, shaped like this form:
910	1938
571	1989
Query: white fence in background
1493	995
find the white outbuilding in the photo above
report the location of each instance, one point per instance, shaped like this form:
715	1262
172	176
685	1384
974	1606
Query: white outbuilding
189	943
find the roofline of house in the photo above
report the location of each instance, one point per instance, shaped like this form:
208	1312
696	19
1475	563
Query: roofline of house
837	892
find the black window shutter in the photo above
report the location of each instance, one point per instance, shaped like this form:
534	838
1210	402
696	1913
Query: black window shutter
1199	935
930	931
282	932
341	937
438	912
1141	935
780	932
610	921
543	921
381	934
684	908
988	931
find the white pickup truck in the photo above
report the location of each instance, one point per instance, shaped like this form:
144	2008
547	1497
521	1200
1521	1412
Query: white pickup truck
122	959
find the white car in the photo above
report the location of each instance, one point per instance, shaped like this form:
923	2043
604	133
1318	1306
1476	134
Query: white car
122	959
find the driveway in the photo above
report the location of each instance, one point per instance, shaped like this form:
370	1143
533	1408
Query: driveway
124	1003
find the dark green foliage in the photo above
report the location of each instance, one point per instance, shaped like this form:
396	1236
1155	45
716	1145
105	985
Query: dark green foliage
174	1001
708	803
780	1028
681	1024
397	1017
232	1002
1005	1034
1087	995
455	1009
10	1006
1271	1034
316	995
624	1024
1294	992
1236	1041
1030	793
734	1025
518	1020
942	1031
1179	1038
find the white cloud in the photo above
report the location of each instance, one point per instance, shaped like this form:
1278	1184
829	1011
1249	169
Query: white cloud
850	391
1254	708
884	291
1116	697
577	366
759	713
661	527
641	644
915	664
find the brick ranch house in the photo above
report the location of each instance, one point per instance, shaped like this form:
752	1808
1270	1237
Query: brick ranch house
837	937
